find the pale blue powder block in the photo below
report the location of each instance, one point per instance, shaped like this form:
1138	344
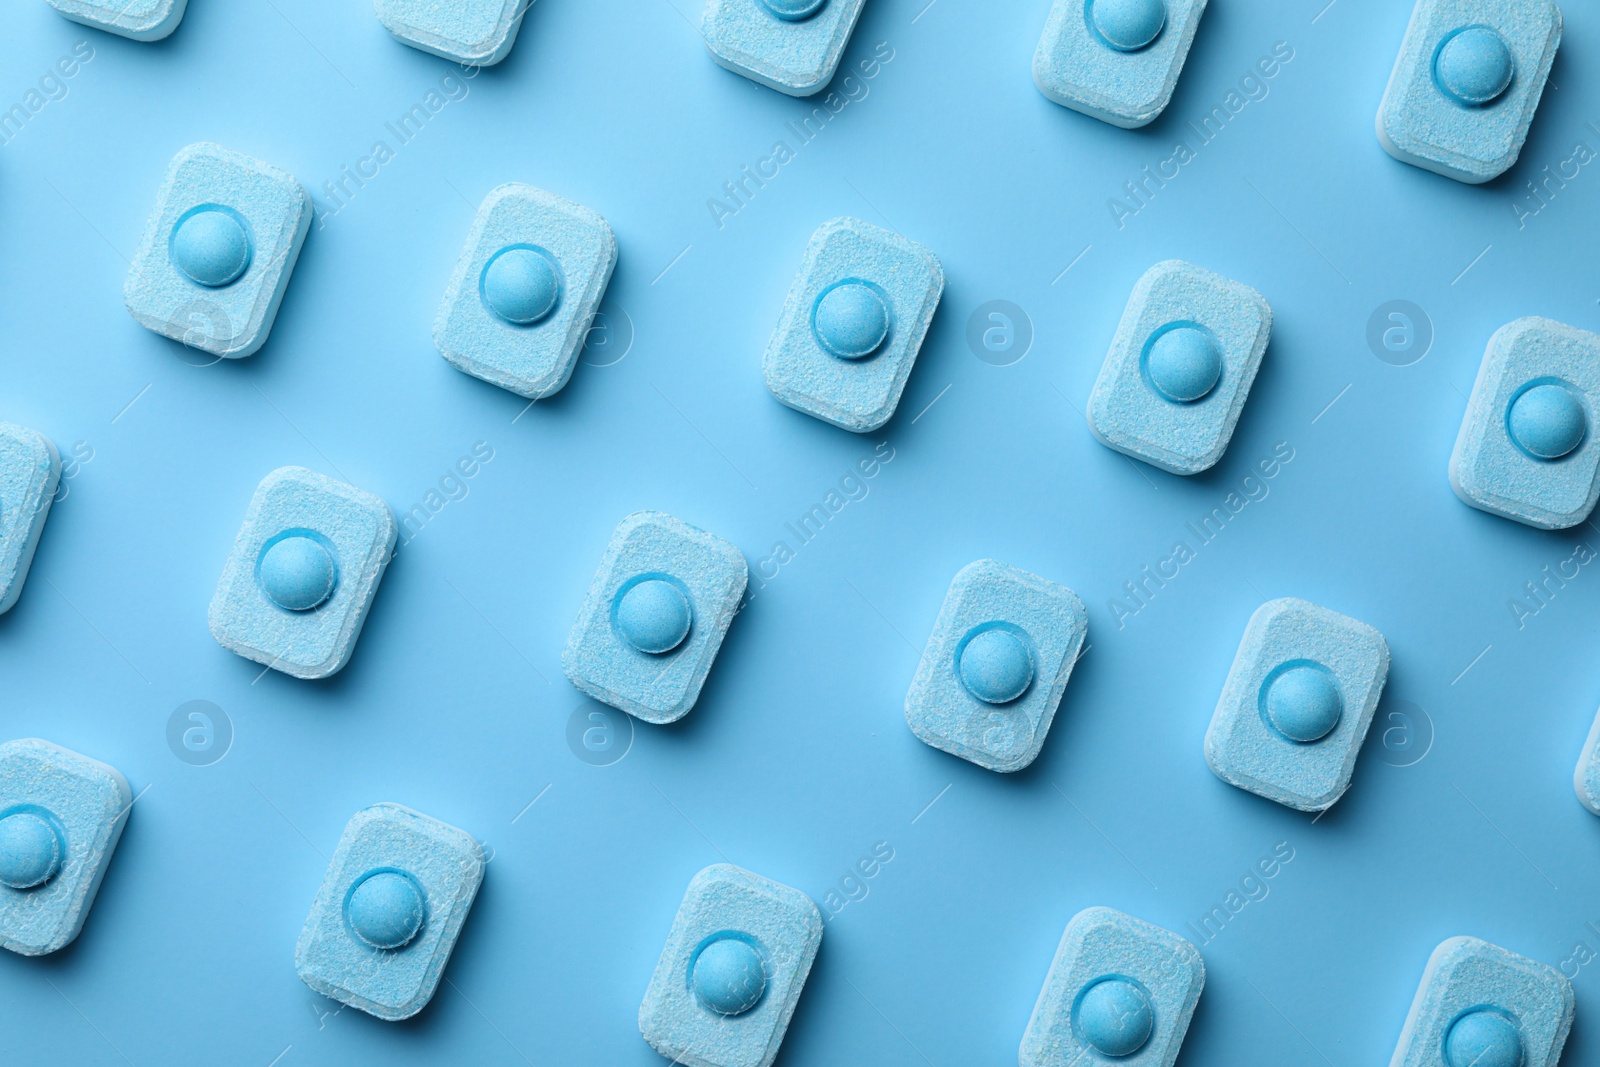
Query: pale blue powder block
476	33
1119	989
1297	704
30	470
525	290
792	46
303	572
655	616
853	324
138	20
996	665
1482	1006
390	908
1586	780
1115	60
1466	84
731	971
1180	367
218	251
61	815
1527	448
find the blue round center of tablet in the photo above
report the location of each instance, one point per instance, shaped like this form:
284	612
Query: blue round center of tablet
1483	1039
995	666
1114	1015
297	572
521	285
385	909
1473	66
1546	421
30	850
1303	702
728	976
1127	25
851	320
1183	363
654	616
211	247
794	10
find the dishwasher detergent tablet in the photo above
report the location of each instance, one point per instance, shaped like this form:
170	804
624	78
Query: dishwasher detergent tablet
390	908
994	669
525	290
852	324
1180	367
1297	704
655	616
61	815
731	971
1118	988
218	251
1466	84
303	572
1482	1006
1525	451
1115	60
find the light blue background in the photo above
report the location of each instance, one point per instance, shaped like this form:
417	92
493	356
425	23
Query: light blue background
797	759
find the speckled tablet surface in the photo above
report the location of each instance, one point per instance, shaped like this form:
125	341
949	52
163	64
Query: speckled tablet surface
858	389
792	46
345	537
1083	64
703	576
475	32
1138	412
1160	976
576	250
61	815
996	665
685	1015
30	471
389	966
138	20
1505	466
1467	115
1297	704
1481	1004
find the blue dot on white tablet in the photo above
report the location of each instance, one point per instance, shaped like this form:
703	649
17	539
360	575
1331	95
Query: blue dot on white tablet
995	666
521	285
210	246
851	320
1473	66
1114	1015
654	616
1127	25
1183	363
1483	1039
729	976
385	910
30	850
297	572
794	10
1547	421
1304	703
